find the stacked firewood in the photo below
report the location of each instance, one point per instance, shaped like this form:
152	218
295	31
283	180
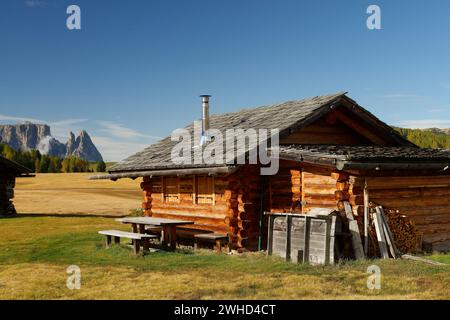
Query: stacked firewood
406	236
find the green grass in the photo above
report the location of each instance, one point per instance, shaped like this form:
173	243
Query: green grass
40	248
440	257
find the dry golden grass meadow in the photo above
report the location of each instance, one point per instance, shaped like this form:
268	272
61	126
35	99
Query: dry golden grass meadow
60	214
73	193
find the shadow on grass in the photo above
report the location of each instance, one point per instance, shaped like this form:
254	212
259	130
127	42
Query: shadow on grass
88	248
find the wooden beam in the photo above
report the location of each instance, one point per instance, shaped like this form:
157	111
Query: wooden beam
302	178
328	240
332	234
270	235
225	170
389	236
306	234
288	238
363	130
366	217
410	257
354	230
380	235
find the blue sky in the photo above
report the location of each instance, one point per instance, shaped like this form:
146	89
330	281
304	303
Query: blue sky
134	71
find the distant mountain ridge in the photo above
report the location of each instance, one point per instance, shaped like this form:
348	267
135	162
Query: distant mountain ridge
427	138
438	131
31	136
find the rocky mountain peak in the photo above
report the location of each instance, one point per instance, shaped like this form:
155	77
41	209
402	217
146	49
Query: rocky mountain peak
24	136
82	147
29	136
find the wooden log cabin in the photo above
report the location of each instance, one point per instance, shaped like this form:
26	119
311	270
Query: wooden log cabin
9	170
331	150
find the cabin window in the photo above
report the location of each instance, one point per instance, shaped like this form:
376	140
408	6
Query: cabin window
204	190
171	191
187	189
157	189
192	189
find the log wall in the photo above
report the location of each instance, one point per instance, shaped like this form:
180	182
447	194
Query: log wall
425	200
232	204
285	189
223	204
319	188
298	188
7	184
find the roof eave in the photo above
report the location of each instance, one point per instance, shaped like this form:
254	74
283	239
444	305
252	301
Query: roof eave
19	170
168	172
361	165
344	165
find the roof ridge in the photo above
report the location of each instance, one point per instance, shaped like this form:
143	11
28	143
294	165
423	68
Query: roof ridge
329	96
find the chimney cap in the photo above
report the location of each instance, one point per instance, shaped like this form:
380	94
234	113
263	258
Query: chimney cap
205	95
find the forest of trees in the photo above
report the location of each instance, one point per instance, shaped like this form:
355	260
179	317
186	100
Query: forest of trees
37	162
430	138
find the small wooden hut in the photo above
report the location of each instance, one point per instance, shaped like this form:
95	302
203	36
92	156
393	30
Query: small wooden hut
9	170
331	150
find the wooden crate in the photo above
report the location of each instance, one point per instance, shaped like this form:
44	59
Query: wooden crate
303	237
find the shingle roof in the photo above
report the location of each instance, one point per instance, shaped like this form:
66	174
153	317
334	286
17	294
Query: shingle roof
367	156
286	117
365	153
282	116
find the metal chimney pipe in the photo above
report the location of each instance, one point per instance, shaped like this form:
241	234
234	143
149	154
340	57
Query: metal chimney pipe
205	114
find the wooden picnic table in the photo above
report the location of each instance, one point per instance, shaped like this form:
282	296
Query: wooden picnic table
169	227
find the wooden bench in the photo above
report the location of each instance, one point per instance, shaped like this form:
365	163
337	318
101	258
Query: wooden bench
186	233
217	238
138	239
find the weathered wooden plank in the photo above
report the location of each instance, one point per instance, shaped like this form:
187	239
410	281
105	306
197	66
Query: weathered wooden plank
408	182
380	235
415	258
332	233
389	236
431	219
211	236
288	240
366	218
436	237
394	193
270	236
124	234
354	230
306	239
414	202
